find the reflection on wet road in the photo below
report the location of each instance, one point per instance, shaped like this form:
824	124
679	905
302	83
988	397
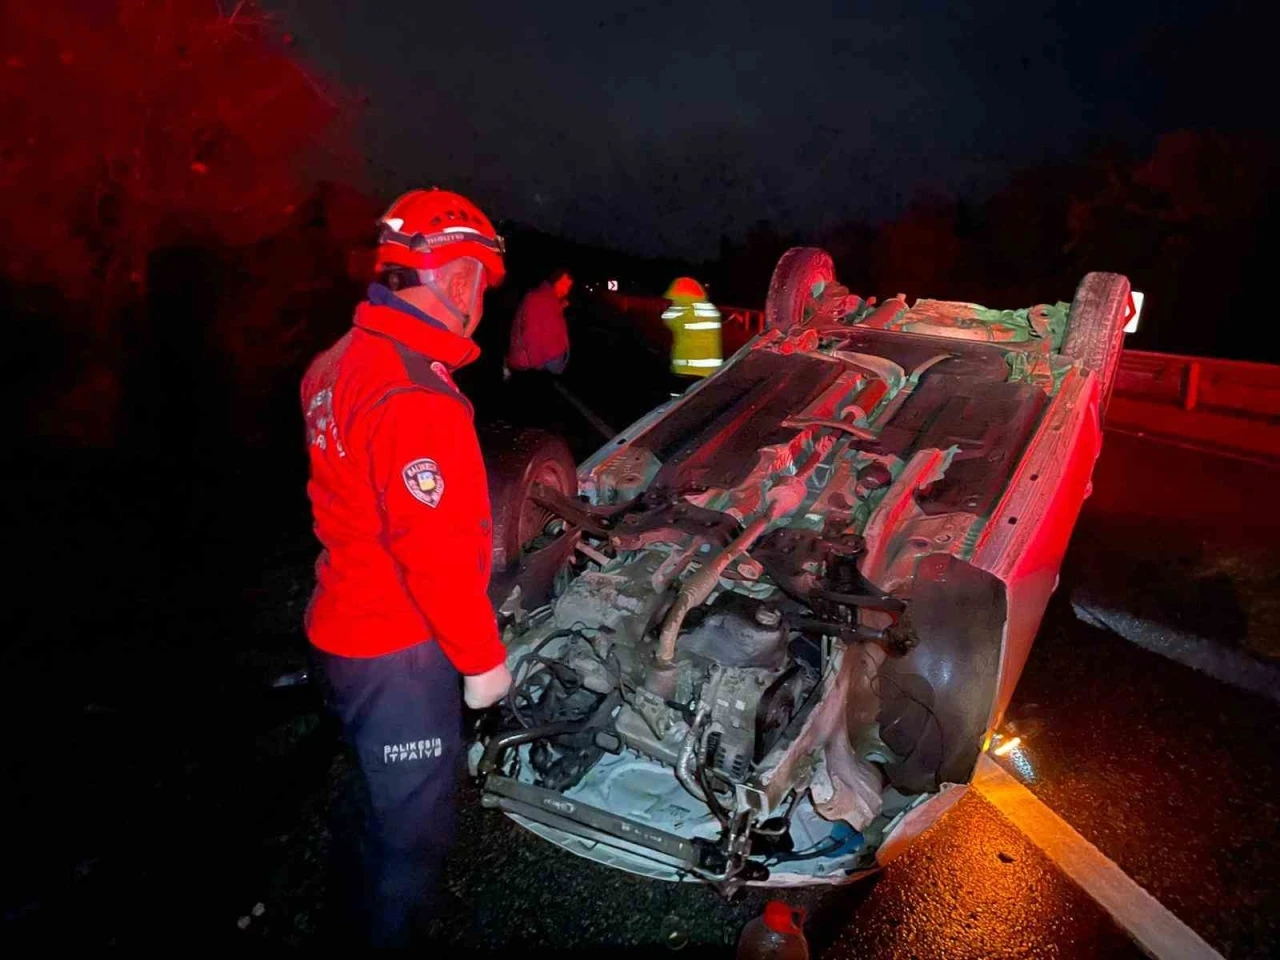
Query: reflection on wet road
975	887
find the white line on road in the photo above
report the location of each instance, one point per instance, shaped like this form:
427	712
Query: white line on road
588	414
1227	453
1156	930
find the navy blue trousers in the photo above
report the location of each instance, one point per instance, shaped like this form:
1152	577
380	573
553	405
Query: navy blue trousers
401	715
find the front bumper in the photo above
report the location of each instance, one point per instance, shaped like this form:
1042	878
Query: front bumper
630	813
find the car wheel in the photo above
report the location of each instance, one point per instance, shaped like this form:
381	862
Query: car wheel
1095	328
515	460
791	289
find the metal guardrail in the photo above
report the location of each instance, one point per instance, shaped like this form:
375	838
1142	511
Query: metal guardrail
1233	387
1225	407
741	320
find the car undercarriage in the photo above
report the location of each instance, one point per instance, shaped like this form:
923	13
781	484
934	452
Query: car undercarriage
785	610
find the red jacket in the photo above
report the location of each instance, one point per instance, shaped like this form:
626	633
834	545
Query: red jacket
398	492
539	336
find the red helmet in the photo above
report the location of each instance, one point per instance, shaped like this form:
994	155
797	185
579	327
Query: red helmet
685	288
425	229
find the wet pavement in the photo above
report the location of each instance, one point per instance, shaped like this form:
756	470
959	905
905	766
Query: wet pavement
159	791
1171	773
973	887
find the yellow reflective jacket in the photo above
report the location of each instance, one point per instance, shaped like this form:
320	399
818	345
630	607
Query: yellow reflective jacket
695	337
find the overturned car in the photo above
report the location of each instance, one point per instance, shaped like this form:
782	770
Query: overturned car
772	628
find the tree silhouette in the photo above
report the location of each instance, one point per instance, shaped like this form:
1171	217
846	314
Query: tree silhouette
135	124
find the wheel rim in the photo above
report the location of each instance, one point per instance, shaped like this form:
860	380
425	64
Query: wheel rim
533	517
804	295
790	290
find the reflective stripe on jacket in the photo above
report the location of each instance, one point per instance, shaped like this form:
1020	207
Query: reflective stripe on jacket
695	338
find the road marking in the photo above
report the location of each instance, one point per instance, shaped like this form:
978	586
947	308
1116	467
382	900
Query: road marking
1152	926
1213	450
1228	664
588	414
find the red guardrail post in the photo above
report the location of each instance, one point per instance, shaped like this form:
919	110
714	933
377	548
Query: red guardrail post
1191	385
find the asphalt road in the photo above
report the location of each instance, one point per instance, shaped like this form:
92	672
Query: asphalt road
973	887
157	792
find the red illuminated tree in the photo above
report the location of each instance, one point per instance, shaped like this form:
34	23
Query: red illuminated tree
132	124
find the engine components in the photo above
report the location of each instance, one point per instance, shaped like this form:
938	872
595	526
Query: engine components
731	732
737	632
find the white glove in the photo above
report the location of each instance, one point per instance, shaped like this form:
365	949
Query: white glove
486	689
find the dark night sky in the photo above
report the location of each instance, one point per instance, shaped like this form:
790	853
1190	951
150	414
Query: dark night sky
656	127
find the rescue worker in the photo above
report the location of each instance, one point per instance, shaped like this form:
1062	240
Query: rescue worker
539	335
695	333
401	509
538	353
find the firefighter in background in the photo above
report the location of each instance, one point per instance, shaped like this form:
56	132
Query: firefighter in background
400	623
695	332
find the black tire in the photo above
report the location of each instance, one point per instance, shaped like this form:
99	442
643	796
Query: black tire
515	459
1095	328
791	289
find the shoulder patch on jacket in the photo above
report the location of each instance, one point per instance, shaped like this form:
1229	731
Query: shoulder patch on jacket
423	481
